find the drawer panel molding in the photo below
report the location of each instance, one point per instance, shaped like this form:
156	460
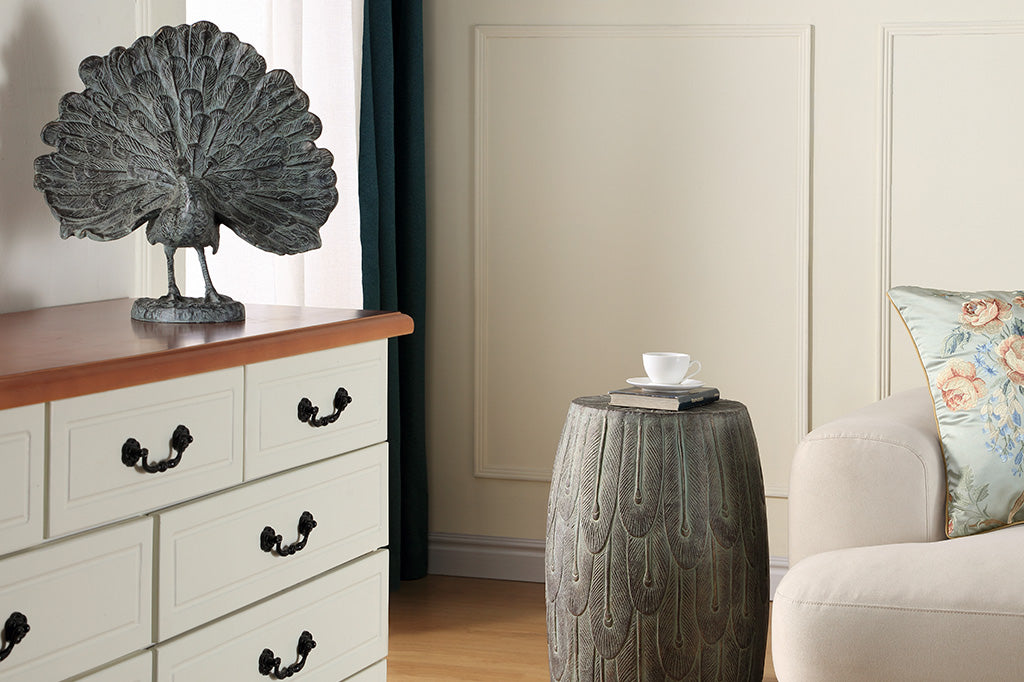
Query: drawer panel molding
344	611
96	442
220	553
312	406
87	600
21	477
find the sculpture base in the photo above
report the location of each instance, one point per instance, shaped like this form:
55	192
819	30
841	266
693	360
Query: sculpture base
184	310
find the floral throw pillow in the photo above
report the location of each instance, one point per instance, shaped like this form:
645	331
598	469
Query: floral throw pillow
972	349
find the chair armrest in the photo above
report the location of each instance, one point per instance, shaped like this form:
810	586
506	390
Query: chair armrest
873	477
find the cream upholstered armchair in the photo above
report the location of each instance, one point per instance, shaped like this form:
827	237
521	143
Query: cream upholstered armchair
874	590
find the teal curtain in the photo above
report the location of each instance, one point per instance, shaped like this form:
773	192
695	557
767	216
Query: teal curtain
392	202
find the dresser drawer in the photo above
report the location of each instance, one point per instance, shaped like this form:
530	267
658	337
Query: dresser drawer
211	559
90	483
135	669
21	477
277	439
345	611
87	600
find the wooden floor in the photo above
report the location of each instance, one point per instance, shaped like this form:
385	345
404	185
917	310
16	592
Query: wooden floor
465	629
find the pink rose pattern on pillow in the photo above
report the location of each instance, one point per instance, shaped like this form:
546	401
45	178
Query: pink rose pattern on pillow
1011	355
985	315
986	374
971	345
960	386
989	381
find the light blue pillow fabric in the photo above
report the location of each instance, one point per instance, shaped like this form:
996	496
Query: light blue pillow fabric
972	347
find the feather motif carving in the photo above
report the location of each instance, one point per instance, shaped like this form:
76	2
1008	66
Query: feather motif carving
185	131
647	568
746	593
196	102
686	499
574	590
709	662
651	667
640	474
678	634
626	665
610	609
730	661
599	480
553	564
676	585
712	595
723	484
753	483
569	471
589	662
561	642
560	494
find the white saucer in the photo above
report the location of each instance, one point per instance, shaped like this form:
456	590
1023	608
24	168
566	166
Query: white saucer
646	382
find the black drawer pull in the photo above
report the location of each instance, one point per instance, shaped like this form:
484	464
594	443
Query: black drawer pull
308	412
132	452
15	630
269	538
271	665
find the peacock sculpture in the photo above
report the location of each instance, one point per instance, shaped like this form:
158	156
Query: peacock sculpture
183	132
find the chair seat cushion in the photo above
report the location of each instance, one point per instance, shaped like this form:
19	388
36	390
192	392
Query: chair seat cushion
947	610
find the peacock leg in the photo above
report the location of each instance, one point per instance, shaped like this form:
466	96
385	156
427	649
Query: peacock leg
172	287
211	293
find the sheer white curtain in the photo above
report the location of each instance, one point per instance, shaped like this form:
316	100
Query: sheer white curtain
316	41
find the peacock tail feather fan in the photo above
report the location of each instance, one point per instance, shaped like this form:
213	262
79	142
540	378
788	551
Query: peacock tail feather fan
186	130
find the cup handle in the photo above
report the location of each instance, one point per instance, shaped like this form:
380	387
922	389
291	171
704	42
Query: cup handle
689	374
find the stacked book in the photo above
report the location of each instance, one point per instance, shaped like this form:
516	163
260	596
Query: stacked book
653	399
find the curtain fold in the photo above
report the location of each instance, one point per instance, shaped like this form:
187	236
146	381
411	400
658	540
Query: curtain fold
392	204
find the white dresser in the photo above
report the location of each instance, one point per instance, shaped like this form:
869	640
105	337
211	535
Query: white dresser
194	502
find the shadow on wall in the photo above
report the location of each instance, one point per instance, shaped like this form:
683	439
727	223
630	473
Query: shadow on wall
29	75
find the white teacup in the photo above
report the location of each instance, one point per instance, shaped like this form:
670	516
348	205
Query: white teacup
670	368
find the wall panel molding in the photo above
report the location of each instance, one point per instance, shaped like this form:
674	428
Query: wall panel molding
486	36
890	33
143	17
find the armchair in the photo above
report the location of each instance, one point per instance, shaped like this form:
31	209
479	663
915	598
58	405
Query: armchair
874	590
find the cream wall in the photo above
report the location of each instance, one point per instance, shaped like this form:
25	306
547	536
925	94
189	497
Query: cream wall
42	43
739	179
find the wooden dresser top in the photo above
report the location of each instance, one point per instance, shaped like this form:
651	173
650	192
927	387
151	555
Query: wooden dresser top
54	353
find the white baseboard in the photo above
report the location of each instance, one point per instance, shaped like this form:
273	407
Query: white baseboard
483	556
497	558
